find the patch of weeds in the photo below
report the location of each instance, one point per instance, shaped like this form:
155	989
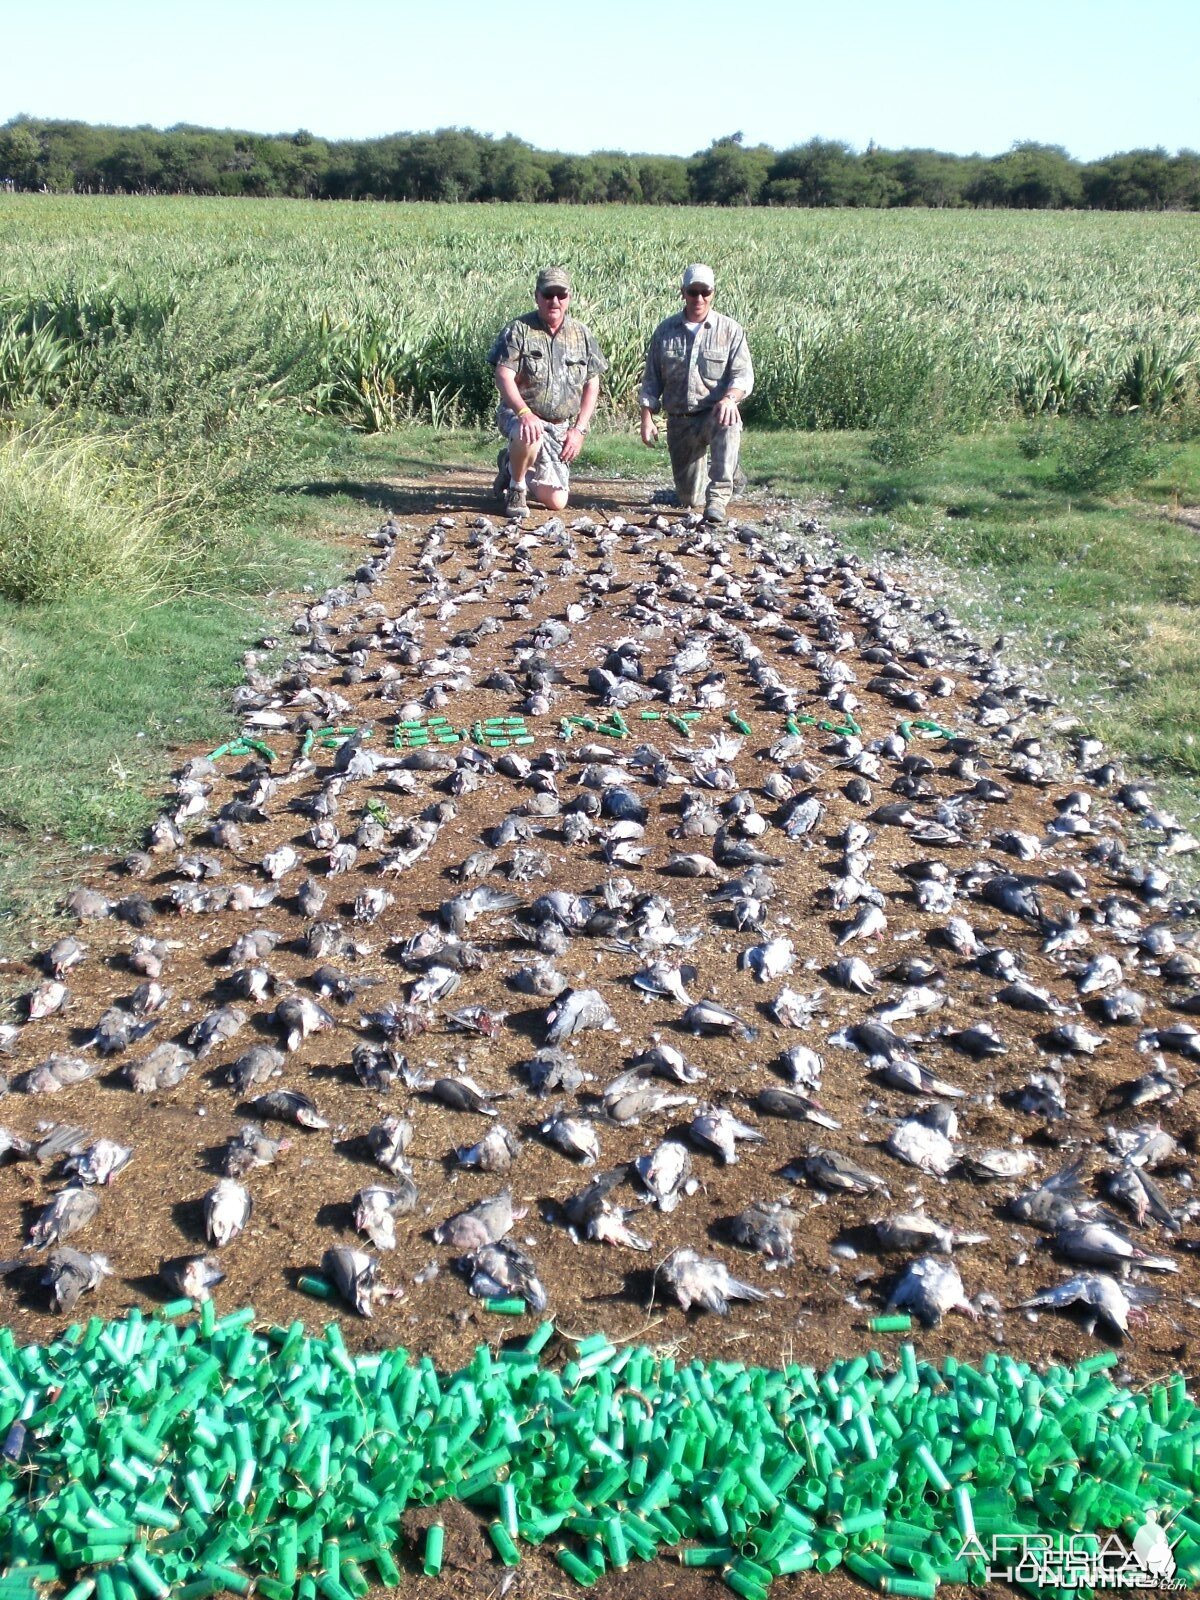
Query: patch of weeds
1105	455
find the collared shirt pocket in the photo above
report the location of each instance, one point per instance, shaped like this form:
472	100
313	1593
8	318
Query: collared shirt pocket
712	364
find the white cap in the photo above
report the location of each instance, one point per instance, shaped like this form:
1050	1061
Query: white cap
698	273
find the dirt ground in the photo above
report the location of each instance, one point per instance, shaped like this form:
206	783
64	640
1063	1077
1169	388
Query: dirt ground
816	1310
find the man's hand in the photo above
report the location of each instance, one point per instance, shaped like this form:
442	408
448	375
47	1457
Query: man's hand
530	430
572	444
649	428
726	413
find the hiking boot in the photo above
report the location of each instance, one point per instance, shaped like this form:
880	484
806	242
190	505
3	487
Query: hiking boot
515	503
500	486
714	511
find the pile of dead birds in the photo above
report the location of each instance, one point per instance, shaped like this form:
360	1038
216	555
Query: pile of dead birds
863	940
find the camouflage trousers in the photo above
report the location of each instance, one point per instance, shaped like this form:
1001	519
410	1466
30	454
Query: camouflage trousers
704	458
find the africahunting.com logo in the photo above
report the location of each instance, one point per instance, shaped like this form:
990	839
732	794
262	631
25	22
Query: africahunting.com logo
1078	1560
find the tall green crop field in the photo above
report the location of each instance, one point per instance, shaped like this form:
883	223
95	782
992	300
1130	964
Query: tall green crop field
378	314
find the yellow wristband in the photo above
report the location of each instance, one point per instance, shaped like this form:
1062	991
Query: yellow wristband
524	412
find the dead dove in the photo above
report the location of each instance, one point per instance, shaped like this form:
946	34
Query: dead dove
227	1208
503	1269
1104	1299
666	1174
929	1287
769	1230
70	1211
376	1210
913	1230
68	1274
354	1274
483	1223
288	1105
99	1163
704	1281
193	1277
716	1129
249	1148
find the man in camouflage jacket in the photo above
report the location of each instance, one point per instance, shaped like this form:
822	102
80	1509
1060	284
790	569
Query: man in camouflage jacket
547	369
698	368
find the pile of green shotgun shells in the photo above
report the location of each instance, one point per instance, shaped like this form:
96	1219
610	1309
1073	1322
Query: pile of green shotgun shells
150	1457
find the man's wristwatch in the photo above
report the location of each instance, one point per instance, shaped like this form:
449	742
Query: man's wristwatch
578	428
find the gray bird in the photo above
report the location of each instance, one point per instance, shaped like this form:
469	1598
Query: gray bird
666	1061
376	1210
716	1129
913	1230
769	1229
68	1274
70	1211
931	1286
483	1223
216	1029
249	1148
913	1078
831	1170
574	1136
593	1214
389	1141
354	1274
100	1163
377	1067
193	1277
707	1017
1103	1298
1135	1189
576	1011
503	1269
1095	1244
666	1174
774	1101
256	1066
704	1281
288	1105
298	1018
227	1209
495	1152
549	1070
1058	1200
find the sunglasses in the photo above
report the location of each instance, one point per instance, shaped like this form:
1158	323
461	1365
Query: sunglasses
696	290
554	294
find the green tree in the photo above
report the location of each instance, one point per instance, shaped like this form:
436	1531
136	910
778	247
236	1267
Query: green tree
727	174
20	156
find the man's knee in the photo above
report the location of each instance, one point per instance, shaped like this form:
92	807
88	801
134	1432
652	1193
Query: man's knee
552	499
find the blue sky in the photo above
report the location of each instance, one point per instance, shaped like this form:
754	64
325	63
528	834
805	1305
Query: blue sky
628	75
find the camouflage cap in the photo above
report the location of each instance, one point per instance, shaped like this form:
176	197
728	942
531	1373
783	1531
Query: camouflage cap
698	273
553	278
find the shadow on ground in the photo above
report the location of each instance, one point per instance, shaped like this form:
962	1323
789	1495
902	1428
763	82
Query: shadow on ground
467	489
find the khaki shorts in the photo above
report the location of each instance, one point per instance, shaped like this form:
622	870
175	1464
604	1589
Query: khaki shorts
549	470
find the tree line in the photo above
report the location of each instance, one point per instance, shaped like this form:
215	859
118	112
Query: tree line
459	164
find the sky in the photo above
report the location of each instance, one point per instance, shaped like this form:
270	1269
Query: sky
1095	76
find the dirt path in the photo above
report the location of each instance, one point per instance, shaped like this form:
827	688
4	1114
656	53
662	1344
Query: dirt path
451	600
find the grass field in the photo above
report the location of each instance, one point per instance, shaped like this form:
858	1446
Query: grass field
1011	395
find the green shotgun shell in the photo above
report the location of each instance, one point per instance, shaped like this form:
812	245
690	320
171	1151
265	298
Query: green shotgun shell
504	1545
435	1540
575	1568
708	1555
319	1288
898	1323
508	1307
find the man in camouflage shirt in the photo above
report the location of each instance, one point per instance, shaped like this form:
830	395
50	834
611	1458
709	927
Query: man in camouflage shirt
547	369
697	369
